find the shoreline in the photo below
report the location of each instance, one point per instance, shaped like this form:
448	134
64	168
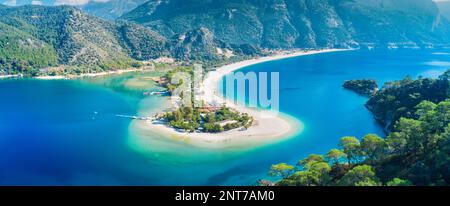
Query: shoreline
73	76
267	127
9	76
210	83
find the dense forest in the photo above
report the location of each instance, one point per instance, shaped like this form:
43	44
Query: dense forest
415	152
46	40
59	36
207	120
399	99
22	53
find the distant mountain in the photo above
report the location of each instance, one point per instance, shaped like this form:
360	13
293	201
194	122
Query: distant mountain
300	23
444	8
111	9
106	9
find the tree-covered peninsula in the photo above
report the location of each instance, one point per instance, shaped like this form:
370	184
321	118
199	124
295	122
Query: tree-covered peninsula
399	99
207	119
366	87
415	152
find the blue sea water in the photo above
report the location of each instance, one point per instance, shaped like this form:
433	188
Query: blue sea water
67	132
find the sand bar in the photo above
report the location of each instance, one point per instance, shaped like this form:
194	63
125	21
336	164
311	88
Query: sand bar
267	127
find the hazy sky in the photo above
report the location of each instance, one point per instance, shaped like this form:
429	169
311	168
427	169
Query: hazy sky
68	2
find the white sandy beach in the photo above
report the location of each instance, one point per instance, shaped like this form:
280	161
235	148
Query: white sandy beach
9	76
51	77
58	77
107	73
88	74
266	127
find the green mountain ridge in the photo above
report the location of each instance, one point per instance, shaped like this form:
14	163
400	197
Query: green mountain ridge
284	24
78	39
208	31
85	43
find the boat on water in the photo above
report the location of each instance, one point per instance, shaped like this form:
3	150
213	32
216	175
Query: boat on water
153	93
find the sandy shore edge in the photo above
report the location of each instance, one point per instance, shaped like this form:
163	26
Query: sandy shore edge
57	77
267	127
6	76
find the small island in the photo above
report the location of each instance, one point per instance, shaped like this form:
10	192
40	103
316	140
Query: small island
365	87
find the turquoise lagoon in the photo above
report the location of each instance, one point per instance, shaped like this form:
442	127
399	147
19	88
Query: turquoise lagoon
66	132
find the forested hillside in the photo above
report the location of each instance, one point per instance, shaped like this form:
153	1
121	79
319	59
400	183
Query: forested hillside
36	37
67	34
208	31
415	152
399	99
21	52
80	42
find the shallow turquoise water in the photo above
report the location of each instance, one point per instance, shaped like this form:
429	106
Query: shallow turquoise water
66	132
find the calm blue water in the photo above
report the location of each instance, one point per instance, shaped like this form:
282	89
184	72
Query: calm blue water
66	132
